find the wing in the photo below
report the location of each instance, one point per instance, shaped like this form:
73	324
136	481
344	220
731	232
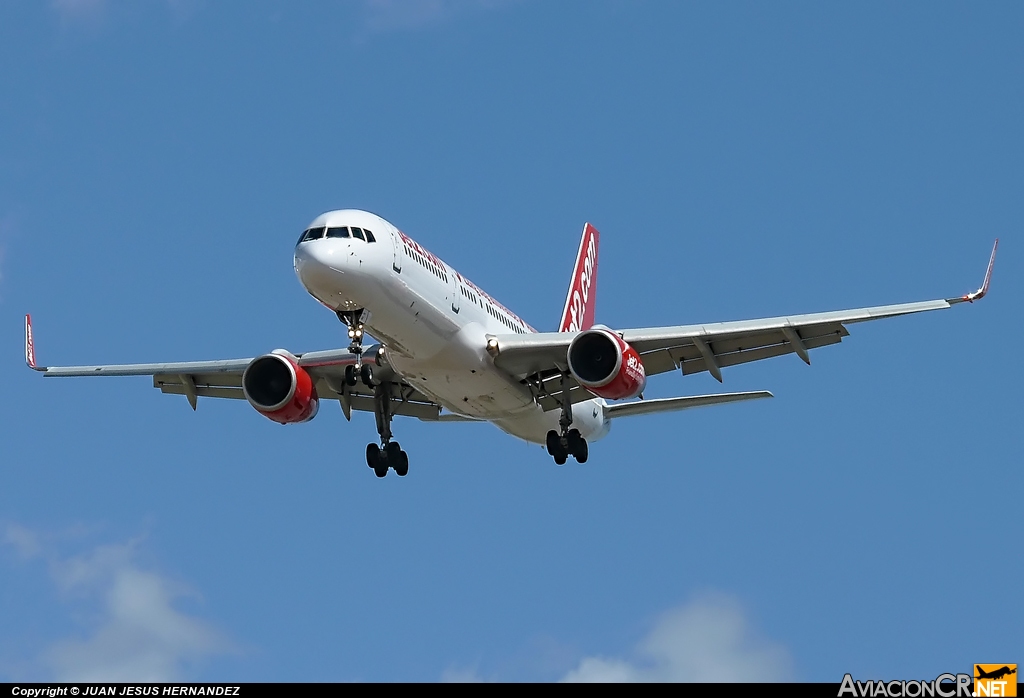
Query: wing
540	359
223	379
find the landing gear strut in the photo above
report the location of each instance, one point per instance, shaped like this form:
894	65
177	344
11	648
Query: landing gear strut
354	320
389	454
566	442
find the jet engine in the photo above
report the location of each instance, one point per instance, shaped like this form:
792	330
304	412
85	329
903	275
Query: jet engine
603	363
280	389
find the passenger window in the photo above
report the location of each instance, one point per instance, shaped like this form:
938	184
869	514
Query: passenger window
341	232
358	233
369	236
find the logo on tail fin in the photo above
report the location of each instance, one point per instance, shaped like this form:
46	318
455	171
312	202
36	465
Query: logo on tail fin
578	313
30	347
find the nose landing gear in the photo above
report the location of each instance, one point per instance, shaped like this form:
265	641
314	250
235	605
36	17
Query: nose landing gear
355	320
569	442
359	374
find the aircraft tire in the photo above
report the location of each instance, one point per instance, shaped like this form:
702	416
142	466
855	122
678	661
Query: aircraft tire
372	455
560	458
582	452
402	466
553	443
366	375
381	469
572	441
350	376
577	445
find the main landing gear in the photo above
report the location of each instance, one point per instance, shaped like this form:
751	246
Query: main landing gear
569	442
389	454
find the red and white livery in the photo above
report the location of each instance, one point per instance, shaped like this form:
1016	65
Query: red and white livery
444	350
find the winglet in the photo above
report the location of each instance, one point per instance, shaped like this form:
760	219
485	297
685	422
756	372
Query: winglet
980	293
30	347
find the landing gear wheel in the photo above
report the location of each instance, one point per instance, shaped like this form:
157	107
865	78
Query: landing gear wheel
350	376
556	446
402	466
391	451
381	469
366	375
577	445
372	455
554	442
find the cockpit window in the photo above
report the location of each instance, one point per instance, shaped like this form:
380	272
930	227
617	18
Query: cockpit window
369	236
358	233
313	234
303	236
341	232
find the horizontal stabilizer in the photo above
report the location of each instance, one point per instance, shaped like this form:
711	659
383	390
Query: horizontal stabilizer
670	404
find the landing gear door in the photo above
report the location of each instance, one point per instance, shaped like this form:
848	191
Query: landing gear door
399	249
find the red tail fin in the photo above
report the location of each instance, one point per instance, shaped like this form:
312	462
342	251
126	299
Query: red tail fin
579	303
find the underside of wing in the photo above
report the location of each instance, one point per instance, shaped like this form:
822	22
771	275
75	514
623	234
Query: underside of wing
696	348
540	360
330	385
223	379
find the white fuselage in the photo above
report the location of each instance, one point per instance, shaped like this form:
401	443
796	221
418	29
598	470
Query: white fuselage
432	322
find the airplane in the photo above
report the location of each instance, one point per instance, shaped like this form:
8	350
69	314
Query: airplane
447	351
995	674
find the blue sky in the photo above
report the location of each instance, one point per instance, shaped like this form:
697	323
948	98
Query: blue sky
158	160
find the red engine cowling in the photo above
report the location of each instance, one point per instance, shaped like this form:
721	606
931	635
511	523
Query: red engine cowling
603	363
280	389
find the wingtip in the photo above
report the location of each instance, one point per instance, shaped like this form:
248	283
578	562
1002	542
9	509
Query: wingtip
980	293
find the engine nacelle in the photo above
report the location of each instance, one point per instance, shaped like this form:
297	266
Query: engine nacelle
603	363
280	389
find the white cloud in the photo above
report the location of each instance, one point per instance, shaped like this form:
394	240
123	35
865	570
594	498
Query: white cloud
707	640
23	540
136	633
390	15
70	10
455	675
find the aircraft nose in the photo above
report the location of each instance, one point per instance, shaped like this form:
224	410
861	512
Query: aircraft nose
316	262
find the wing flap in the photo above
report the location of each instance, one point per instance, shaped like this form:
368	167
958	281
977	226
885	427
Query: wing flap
577	393
649	339
427	411
200	380
185	367
170	388
671	404
741	350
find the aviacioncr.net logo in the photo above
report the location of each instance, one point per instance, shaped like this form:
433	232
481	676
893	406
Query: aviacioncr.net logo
943	686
